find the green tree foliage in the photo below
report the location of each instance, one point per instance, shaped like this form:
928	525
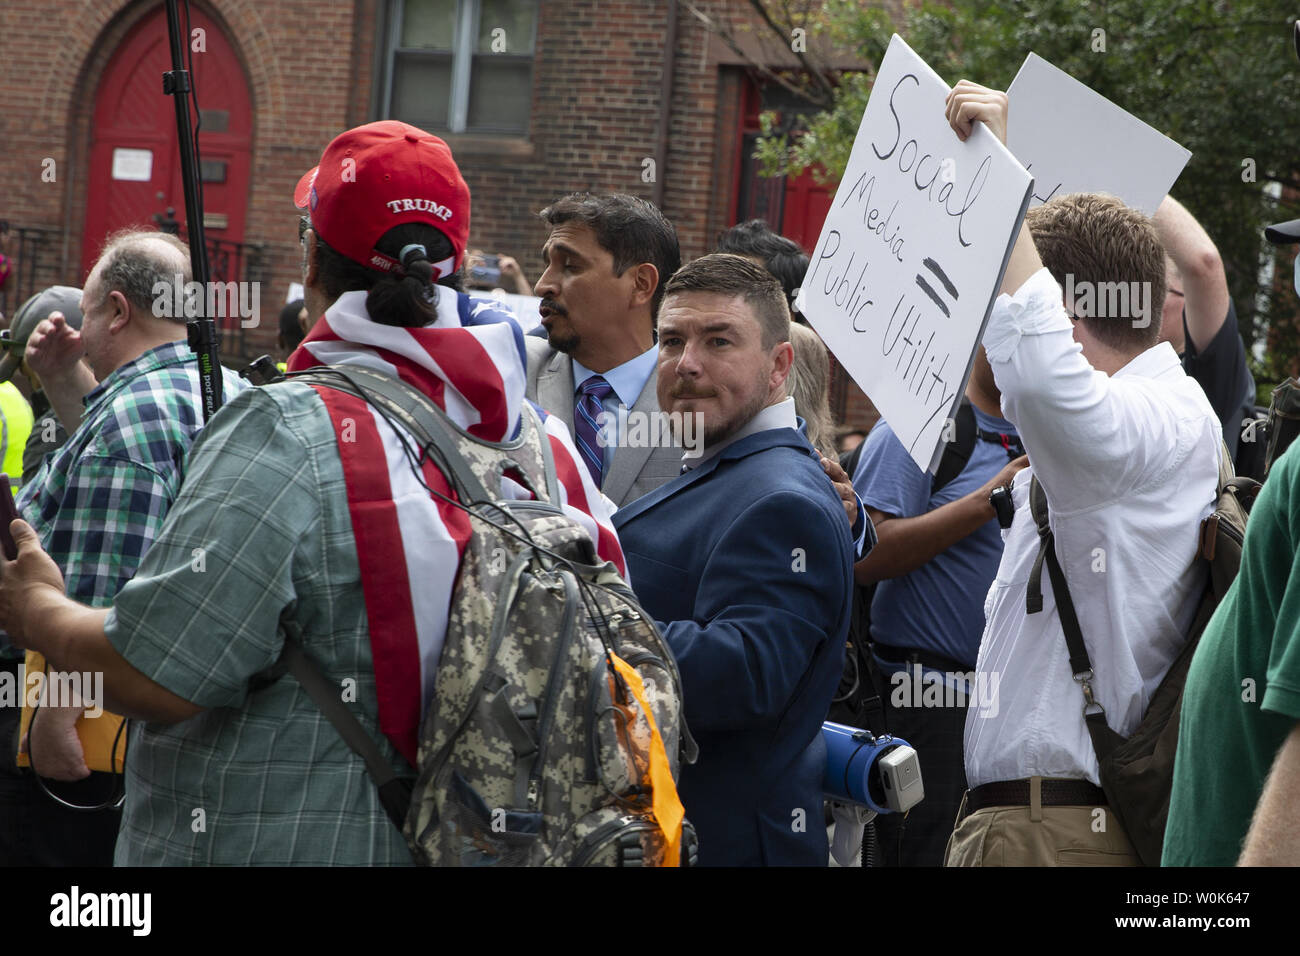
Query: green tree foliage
1221	78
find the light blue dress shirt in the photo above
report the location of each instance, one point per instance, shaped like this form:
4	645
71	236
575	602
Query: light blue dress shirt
627	380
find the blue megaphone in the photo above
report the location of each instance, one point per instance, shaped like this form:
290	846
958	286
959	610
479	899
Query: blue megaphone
880	773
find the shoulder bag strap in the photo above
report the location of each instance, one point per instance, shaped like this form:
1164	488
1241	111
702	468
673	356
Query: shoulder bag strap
394	791
1104	740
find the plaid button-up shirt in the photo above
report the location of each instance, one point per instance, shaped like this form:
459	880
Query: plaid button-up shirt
262	534
260	529
98	502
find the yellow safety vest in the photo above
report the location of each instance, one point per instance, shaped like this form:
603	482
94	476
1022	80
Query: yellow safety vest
15	426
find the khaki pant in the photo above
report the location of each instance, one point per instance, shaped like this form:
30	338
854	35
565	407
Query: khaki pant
1039	836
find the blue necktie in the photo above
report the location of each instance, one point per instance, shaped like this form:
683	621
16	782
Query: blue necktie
585	415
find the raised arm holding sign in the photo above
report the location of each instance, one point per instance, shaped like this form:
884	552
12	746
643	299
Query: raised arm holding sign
967	104
1123	448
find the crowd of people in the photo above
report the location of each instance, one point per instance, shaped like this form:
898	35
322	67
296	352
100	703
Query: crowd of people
174	560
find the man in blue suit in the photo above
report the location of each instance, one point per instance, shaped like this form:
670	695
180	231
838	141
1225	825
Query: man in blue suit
746	561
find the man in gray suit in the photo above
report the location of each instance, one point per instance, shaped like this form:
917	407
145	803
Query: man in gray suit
607	259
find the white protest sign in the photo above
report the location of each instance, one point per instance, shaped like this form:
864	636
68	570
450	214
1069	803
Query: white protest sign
910	259
1074	140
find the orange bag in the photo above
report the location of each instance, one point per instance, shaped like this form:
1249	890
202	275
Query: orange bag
667	806
97	733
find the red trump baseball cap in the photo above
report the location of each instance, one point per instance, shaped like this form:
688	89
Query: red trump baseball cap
381	175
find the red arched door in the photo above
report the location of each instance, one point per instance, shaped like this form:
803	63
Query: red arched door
806	206
134	155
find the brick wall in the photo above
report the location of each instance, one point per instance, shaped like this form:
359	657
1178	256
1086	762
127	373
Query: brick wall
597	86
304	80
311	71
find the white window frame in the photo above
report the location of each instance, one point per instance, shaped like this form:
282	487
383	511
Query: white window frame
468	13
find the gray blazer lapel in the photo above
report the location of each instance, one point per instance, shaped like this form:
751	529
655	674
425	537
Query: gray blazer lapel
555	388
629	460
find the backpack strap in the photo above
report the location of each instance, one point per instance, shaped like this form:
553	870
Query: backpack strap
874	685
1008	442
1038	508
958	453
431	427
1227	474
410	406
394	791
1104	740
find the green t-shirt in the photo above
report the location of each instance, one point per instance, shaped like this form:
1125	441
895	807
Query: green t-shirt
1242	697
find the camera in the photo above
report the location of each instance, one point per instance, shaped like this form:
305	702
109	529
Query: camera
881	773
487	271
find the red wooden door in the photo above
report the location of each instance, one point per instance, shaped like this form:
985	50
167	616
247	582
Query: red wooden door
134	154
807	203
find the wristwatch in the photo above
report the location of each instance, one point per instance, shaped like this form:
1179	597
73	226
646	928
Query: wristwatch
1000	499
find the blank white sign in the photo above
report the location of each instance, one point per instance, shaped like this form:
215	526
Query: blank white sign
1074	140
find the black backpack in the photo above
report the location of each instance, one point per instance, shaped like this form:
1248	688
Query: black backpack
1283	421
1137	772
1271	432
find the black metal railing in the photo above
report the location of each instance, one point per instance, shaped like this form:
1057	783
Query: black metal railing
36	263
243	263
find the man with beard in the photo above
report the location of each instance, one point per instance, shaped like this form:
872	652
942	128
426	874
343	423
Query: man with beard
607	259
745	561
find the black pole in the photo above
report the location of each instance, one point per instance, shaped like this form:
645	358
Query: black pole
202	330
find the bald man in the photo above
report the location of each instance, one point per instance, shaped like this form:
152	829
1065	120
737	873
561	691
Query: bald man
126	387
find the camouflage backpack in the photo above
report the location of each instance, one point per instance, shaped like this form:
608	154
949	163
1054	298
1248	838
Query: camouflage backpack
554	735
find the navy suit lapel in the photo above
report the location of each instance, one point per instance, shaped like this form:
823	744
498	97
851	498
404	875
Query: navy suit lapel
752	444
634	508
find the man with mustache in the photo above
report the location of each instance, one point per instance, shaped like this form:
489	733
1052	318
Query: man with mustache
607	258
746	562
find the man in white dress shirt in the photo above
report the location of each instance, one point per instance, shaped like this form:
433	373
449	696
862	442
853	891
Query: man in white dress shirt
1126	448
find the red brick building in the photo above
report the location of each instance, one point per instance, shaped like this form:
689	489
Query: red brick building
536	97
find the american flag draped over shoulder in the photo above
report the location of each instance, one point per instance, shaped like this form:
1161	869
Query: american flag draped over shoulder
409	543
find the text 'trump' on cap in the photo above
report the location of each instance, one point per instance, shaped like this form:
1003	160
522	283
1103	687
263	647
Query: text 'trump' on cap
381	175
